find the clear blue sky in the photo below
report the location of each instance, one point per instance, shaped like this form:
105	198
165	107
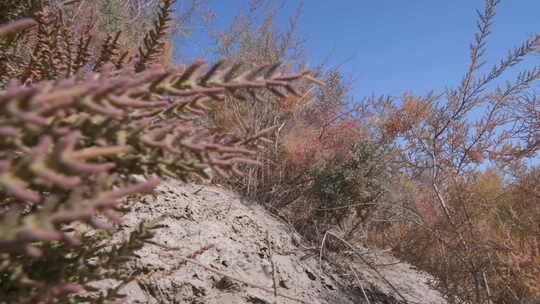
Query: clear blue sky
390	46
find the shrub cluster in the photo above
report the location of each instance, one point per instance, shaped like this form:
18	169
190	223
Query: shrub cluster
326	170
399	168
77	122
464	151
84	107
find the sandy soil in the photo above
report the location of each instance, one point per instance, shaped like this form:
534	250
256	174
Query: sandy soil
240	253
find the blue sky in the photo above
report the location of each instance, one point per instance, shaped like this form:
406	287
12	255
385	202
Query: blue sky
390	46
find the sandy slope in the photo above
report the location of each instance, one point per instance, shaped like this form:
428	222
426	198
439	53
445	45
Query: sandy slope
233	239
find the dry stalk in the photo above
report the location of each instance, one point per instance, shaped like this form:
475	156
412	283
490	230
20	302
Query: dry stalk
359	284
370	266
321	249
270	258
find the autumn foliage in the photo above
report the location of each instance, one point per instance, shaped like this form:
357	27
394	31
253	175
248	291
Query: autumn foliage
465	152
86	125
438	178
446	180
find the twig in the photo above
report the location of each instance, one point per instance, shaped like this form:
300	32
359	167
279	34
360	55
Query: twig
360	284
487	287
277	141
321	250
273	266
371	266
16	26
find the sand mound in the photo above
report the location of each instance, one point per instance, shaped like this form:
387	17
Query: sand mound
238	250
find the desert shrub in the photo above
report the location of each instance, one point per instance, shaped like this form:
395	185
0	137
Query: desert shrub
513	229
446	140
254	37
494	235
77	123
356	193
84	30
322	142
357	181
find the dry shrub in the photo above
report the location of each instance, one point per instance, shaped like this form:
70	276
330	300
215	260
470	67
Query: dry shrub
77	124
495	234
324	155
357	192
301	147
253	37
477	227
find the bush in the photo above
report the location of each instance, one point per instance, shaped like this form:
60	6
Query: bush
475	248
324	156
356	192
77	123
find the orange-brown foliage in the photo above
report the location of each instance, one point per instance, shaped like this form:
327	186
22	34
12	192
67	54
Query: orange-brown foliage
412	111
497	236
312	146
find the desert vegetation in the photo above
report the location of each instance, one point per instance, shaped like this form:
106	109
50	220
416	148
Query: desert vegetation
80	116
87	103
